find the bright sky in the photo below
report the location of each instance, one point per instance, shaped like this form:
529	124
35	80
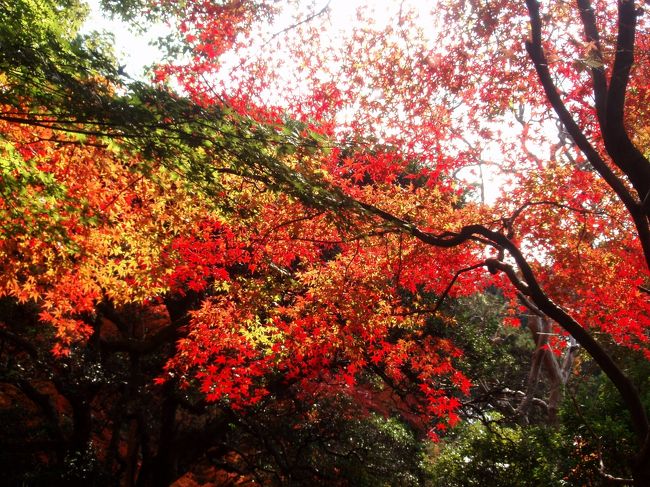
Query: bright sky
135	51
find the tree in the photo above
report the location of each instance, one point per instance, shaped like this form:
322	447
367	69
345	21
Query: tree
109	242
492	454
296	237
564	225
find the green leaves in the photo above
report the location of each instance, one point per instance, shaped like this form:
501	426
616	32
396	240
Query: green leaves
495	454
31	198
46	62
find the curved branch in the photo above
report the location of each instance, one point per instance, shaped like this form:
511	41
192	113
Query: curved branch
617	142
529	286
537	295
636	209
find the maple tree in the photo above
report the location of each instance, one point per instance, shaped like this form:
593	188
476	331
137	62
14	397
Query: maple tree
573	227
112	246
264	236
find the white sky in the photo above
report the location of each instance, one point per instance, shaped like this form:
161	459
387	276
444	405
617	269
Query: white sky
134	50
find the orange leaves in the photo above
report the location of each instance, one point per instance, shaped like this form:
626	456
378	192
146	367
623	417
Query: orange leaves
306	289
96	230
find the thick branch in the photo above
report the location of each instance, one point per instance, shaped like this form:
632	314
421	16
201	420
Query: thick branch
530	287
26	345
634	207
598	69
618	144
168	334
599	354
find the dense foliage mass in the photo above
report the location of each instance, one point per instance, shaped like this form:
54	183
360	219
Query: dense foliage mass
281	261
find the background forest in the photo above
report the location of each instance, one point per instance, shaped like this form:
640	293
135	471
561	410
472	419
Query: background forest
402	244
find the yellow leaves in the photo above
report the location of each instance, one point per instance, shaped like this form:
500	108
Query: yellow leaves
262	335
116	227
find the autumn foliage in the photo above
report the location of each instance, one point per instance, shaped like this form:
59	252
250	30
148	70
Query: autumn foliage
294	230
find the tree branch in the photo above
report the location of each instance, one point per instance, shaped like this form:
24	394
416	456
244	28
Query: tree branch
598	78
617	142
528	285
634	207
